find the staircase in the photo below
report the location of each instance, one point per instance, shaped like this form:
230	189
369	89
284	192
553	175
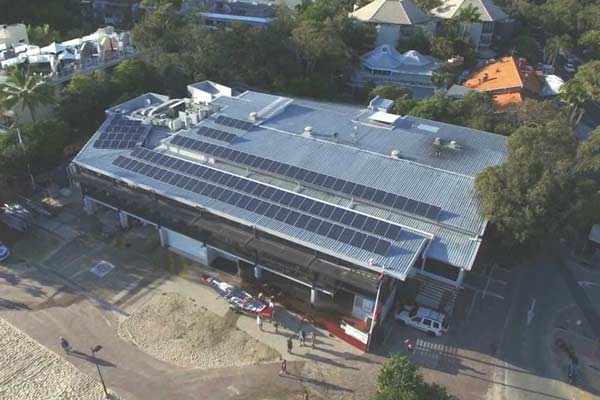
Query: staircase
436	295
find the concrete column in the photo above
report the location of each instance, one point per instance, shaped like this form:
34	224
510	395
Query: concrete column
257	272
89	206
461	277
124	220
162	234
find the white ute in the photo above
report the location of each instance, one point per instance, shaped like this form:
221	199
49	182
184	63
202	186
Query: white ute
427	320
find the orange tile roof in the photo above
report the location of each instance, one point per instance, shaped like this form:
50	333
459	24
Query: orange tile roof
503	74
504	100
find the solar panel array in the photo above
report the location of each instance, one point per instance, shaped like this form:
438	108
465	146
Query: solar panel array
334	222
121	133
354	190
234	123
216	134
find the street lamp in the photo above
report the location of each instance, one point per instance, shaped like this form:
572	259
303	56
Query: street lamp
94	350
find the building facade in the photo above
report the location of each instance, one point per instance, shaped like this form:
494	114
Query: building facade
13	35
345	207
393	19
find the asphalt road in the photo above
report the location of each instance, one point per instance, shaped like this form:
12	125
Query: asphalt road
540	293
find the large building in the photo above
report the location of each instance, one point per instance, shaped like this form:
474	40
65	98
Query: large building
346	207
385	65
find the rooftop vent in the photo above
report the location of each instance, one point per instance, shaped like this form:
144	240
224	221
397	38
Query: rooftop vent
253	116
453	145
395	154
437	141
307	131
384	117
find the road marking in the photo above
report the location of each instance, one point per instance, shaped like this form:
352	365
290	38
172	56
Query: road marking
131	285
530	313
233	390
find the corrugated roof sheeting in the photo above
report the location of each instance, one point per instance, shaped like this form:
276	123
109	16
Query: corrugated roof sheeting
397	262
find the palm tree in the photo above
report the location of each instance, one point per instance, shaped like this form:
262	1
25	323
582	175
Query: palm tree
552	49
467	16
25	89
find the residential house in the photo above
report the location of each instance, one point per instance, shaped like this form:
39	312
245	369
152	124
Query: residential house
342	207
494	24
509	80
393	19
387	66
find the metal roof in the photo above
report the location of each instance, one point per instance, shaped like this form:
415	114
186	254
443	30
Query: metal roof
398	12
345	144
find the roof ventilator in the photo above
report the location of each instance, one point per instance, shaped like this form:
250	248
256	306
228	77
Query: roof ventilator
395	154
308	131
253	116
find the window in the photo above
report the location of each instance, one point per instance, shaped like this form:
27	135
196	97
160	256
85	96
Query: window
417	320
427	322
436	325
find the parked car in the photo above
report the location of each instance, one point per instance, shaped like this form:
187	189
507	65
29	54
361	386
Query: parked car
4	252
432	322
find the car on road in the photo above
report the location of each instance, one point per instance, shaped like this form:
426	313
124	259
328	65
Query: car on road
4	252
432	322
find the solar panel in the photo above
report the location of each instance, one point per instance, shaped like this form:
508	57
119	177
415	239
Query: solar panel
120	134
234	123
228	192
216	134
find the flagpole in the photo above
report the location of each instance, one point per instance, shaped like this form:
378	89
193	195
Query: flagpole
25	154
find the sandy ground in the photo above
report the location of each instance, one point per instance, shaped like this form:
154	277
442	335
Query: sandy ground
175	329
29	371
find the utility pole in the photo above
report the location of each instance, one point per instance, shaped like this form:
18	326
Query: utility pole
94	350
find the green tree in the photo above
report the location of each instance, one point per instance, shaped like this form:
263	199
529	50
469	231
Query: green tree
42	35
467	16
134	77
552	49
585	86
320	44
399	379
25	90
417	41
528	196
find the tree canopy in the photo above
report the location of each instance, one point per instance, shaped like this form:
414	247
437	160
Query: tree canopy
545	184
25	90
399	379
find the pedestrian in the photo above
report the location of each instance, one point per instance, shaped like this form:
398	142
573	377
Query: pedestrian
272	307
314	340
305	395
283	370
289	345
409	346
301	337
276	326
259	322
66	346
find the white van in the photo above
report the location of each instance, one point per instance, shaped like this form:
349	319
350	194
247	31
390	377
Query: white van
427	320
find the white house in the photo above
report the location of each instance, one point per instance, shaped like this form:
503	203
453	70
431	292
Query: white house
393	19
385	65
492	20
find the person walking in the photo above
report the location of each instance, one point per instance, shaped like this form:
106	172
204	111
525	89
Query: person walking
301	337
409	346
66	346
259	322
283	370
314	339
305	395
272	307
289	345
276	326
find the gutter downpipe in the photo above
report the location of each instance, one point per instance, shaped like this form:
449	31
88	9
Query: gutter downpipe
373	320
